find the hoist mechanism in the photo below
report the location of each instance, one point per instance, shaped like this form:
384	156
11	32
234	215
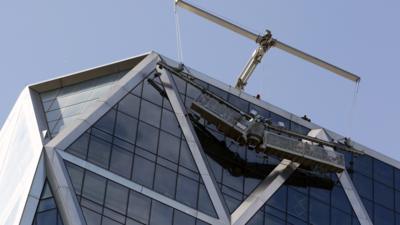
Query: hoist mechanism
265	42
259	134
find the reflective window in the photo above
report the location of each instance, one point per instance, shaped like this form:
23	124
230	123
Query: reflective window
139	207
76	174
258	218
150	93
121	162
80	146
278	199
147	137
125	127
47	211
130	105
383	216
116	197
397	179
162	214
339	218
297	204
143	171
121	205
99	152
319	213
363	165
183	219
187	191
150	113
165	181
339	199
91	217
106	123
383	195
94	187
363	185
169	147
170	123
383	173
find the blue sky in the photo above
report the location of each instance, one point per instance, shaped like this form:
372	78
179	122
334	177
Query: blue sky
43	39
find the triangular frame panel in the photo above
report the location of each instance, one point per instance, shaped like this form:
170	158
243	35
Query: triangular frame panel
57	174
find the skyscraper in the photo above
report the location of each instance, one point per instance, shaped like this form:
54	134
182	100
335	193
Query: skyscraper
120	144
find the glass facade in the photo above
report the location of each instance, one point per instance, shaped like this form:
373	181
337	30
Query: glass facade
134	165
105	202
237	169
47	212
378	185
140	139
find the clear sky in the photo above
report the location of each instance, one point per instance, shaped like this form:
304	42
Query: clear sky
42	39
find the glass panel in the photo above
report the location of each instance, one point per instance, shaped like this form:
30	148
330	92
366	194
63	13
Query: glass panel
205	201
139	207
297	204
339	199
147	137
165	181
80	146
47	211
170	123
319	213
150	113
124	206
340	218
383	195
169	147
278	199
363	185
383	173
130	105
94	187
92	218
383	216
99	152
162	214
116	197
183	219
121	162
257	219
106	123
76	174
187	191
363	165
143	171
125	128
150	93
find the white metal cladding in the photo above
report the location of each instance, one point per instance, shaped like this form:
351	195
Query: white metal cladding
20	150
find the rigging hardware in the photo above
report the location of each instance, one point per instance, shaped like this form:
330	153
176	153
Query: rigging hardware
258	133
265	42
